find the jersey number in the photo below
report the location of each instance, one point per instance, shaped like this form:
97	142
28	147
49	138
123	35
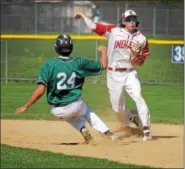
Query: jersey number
62	84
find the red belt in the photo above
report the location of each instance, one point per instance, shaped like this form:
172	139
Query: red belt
118	69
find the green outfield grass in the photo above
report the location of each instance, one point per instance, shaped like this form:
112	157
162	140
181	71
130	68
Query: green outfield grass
13	157
25	58
165	102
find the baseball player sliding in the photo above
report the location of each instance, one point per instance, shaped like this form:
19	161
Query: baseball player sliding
127	48
63	78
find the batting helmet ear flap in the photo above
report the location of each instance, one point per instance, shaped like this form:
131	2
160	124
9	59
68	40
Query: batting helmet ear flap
56	48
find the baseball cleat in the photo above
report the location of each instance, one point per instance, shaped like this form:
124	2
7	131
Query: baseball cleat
87	136
147	136
116	136
111	136
147	133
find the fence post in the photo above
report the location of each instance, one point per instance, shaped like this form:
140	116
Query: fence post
118	12
154	21
79	20
6	61
96	58
35	9
96	51
126	5
61	19
167	21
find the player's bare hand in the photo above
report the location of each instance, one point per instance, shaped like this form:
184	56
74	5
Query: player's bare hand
102	48
21	110
79	15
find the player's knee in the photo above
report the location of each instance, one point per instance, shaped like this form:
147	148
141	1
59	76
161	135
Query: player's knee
87	113
137	97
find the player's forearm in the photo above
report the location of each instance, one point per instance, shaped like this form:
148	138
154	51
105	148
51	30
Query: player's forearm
34	97
39	91
89	23
103	59
97	28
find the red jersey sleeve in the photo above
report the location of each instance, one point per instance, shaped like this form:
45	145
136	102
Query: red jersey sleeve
145	52
102	29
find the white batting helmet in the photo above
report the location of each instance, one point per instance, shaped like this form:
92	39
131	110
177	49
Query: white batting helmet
128	13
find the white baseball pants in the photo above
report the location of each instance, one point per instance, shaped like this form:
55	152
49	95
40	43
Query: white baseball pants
117	82
77	113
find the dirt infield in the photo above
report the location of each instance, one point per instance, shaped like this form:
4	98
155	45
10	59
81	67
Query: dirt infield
166	150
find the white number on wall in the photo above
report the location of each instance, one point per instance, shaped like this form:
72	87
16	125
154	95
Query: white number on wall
178	54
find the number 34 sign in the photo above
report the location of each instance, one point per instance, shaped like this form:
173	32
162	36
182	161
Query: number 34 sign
178	54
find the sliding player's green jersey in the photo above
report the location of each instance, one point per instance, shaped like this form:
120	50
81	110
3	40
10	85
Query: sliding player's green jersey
64	78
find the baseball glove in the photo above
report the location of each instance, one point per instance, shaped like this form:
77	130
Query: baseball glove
139	54
135	52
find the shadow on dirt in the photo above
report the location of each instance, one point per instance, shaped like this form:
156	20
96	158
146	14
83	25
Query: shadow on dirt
67	144
163	137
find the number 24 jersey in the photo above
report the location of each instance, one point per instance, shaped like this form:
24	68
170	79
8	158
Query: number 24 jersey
64	78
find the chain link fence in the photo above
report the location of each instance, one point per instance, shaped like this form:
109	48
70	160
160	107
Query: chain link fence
21	60
58	16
